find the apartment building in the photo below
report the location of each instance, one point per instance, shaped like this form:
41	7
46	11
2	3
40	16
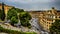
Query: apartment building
46	18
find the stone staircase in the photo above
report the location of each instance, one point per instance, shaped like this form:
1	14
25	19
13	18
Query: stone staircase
3	33
23	29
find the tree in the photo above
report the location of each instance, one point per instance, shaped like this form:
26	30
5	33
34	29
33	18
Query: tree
14	20
3	12
55	28
0	14
12	12
19	10
24	18
12	16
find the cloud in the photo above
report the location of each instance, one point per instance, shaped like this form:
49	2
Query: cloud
30	1
33	4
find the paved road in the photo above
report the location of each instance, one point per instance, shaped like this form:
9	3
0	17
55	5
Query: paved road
37	26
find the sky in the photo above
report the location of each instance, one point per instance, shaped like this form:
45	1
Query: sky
33	4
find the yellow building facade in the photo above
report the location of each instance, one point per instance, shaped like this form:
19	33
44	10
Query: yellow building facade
46	18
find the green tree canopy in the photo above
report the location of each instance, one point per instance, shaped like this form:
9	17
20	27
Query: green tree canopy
55	27
0	13
12	16
3	12
13	20
12	12
24	18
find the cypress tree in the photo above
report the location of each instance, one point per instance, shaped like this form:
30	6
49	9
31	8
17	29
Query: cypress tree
3	12
0	13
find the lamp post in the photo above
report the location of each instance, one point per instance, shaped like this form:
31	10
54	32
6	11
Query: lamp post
19	21
18	17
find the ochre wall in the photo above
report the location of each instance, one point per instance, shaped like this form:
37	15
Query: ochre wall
6	8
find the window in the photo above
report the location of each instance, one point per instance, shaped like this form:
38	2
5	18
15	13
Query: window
52	23
52	20
49	23
56	16
59	16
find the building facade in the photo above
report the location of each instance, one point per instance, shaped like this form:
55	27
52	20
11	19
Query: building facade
46	18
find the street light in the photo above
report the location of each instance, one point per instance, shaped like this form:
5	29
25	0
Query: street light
19	21
18	18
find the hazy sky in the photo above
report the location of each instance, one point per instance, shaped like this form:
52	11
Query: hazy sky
33	4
